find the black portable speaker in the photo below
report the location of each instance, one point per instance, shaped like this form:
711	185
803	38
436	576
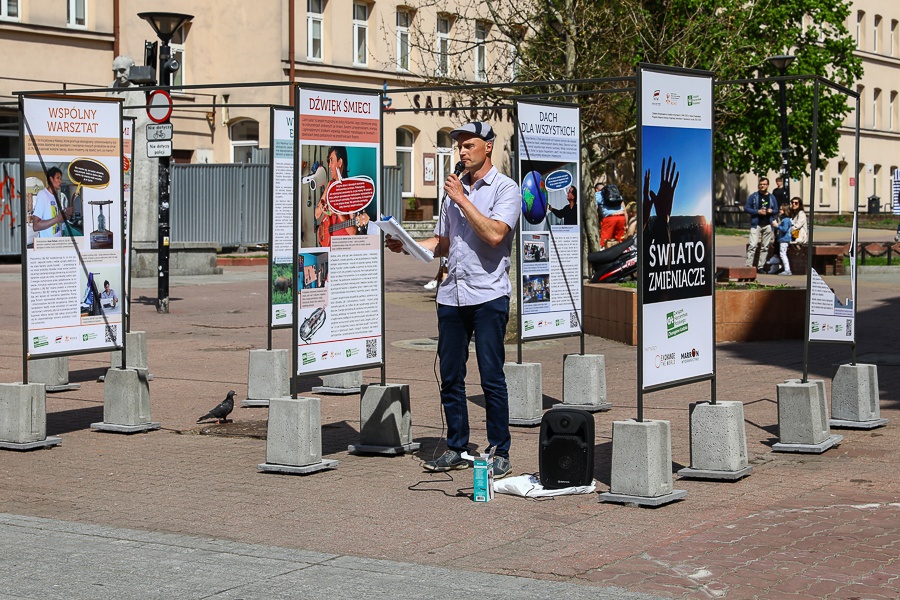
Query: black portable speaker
566	449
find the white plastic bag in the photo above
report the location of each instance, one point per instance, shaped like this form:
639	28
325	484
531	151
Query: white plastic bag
530	486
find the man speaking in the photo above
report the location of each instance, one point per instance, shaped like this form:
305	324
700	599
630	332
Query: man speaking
474	232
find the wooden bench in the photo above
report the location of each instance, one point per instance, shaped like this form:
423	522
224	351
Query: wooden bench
725	274
828	258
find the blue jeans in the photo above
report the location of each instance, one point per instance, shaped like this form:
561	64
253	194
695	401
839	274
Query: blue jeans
456	324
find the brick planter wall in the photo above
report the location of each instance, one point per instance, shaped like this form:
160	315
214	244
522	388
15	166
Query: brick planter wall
610	311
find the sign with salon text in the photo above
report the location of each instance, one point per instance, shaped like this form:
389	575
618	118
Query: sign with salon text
675	208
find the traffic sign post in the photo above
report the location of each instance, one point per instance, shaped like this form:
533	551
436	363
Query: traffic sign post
159	144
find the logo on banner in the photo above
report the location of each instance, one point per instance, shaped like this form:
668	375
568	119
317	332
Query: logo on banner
529	325
693	100
672	98
655	100
308	358
690	356
665	360
676	323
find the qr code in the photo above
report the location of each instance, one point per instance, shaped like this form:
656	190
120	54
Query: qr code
573	320
849	327
111	333
371	348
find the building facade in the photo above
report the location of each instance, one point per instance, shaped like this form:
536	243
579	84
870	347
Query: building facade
264	46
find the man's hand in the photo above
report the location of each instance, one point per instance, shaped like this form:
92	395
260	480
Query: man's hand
392	244
454	188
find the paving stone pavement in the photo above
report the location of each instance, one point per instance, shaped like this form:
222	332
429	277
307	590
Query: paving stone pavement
801	526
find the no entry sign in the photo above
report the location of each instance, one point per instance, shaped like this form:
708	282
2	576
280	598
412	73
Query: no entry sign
160	106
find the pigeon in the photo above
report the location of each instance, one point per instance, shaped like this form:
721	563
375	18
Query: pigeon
222	410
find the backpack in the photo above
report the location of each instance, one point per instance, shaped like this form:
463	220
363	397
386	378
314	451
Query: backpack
612	197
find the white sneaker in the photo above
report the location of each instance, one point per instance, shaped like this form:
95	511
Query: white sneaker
785	273
430	285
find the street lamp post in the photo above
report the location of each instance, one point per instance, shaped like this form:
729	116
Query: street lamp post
781	63
165	24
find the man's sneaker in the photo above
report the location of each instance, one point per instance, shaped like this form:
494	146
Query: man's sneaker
430	285
501	467
785	273
448	461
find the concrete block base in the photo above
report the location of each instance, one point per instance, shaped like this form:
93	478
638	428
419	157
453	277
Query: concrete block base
526	396
718	441
113	428
268	376
802	414
641	460
23	415
591	408
820	386
691	473
126	400
819	448
254	403
44	443
294	438
385	421
52	372
135	352
383	450
584	381
841	424
643	500
325	463
854	394
334	391
340	384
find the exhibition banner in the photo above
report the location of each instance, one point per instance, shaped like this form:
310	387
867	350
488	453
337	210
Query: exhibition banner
128	125
281	235
550	227
339	317
830	320
74	265
676	271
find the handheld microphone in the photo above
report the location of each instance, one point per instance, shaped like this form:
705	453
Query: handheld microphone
459	168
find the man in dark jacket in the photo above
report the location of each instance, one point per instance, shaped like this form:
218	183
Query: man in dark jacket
762	208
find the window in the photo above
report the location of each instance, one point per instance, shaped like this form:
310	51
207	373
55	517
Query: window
314	9
9	9
480	51
876	25
444	161
403	20
892	50
876	100
892	106
177	46
244	140
360	34
861	90
443	45
860	22
77	13
405	141
875	173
